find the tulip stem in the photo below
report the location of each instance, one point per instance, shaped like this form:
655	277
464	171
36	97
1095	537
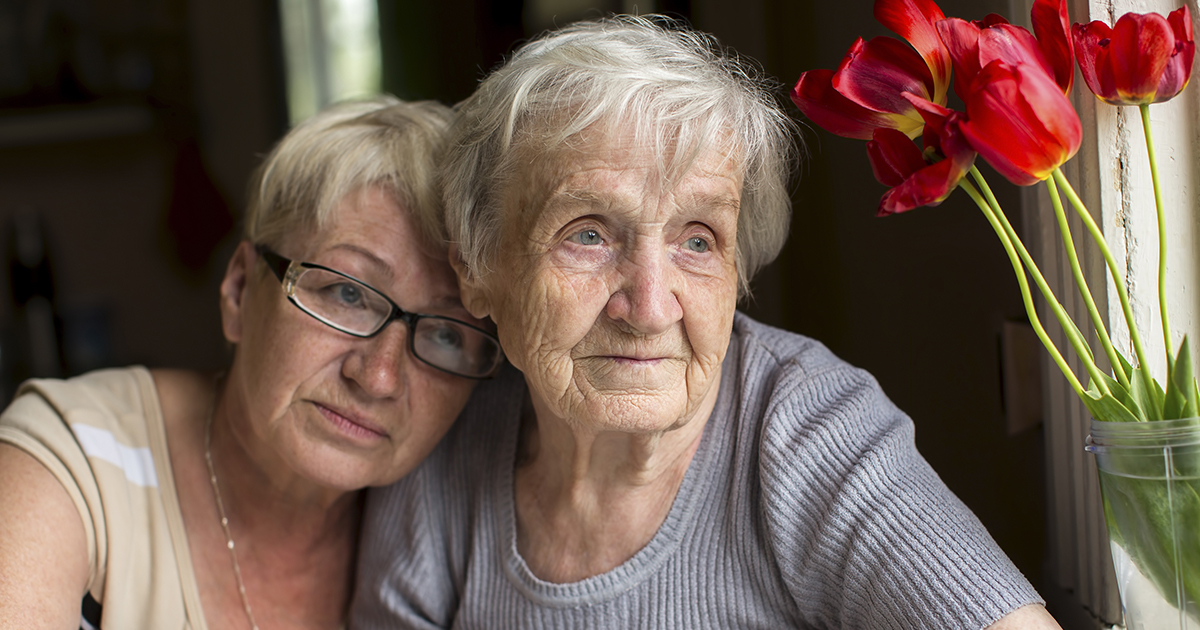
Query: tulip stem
1162	235
1068	325
1072	255
1023	282
1118	281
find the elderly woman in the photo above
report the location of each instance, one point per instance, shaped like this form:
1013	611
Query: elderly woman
667	462
173	499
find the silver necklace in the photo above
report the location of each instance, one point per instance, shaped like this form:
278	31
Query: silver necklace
212	476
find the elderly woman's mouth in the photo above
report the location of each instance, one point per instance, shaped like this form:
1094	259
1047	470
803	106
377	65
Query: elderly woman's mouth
637	361
351	425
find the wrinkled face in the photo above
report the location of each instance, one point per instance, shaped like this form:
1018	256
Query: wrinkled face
614	292
343	411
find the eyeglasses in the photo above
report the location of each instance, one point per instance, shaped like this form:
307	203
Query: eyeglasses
352	306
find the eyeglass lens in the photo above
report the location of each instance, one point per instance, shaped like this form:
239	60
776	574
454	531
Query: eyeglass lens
358	309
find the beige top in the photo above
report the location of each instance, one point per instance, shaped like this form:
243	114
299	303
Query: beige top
102	436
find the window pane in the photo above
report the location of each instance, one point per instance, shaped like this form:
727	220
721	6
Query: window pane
331	51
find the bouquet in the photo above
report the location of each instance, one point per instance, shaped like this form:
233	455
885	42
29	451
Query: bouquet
1018	117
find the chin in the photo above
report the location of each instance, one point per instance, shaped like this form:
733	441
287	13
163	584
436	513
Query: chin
636	414
338	470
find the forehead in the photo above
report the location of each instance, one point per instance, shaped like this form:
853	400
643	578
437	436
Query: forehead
371	218
607	167
372	236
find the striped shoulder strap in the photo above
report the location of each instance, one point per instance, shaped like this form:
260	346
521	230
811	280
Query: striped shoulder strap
90	613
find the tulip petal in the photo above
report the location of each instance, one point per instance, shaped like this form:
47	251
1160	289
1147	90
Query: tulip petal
1021	122
1092	41
961	39
1140	47
990	19
1012	45
916	184
1179	66
927	187
877	73
815	96
935	117
894	157
1176	74
1181	23
915	21
943	132
1053	29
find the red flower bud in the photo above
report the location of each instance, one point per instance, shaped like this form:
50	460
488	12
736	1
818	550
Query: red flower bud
1145	59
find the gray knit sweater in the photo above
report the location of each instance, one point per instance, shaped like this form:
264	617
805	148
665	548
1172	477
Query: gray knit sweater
806	506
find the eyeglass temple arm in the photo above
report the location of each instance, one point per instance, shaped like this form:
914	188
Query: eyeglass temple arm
276	263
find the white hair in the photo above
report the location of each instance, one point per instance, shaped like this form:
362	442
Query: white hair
675	89
346	147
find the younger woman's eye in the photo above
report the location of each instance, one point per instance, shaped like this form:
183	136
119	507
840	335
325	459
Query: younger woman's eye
697	244
349	293
586	237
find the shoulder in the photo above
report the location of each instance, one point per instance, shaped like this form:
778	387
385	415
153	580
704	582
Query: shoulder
115	392
864	531
820	421
792	383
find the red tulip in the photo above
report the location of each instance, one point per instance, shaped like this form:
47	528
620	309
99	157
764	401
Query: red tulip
896	161
815	96
1020	121
916	21
866	92
1053	30
973	45
1145	59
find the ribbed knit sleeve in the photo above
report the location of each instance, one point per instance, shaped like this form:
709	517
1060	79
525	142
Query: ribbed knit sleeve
865	533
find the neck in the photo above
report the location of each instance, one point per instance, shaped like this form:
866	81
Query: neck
587	501
266	496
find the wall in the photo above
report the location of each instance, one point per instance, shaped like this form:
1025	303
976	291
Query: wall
129	128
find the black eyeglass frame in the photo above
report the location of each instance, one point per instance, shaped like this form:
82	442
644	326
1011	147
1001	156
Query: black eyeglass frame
288	271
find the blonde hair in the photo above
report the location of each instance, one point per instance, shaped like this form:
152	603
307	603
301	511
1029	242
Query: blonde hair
348	146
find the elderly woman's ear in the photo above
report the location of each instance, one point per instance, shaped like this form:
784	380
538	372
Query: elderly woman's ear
233	288
470	289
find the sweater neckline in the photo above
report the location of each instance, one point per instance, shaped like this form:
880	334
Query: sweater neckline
650	558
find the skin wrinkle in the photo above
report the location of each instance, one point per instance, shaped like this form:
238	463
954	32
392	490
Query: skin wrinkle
620	334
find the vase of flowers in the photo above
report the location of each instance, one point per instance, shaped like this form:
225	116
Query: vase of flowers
1015	87
1150	479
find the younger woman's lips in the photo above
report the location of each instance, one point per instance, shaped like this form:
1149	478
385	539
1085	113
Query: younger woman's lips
351	425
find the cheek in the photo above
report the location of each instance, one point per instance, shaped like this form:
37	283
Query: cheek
708	307
438	401
546	313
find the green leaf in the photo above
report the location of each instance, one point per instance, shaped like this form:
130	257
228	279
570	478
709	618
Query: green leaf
1119	392
1150	401
1107	408
1182	386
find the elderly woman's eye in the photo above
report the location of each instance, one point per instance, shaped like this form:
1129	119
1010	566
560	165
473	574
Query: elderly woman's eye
586	237
697	244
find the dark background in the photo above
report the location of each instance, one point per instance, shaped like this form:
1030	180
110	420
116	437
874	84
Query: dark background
128	129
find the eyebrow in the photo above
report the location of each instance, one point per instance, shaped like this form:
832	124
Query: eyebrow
376	262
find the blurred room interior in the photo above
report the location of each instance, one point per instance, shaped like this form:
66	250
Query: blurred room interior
128	129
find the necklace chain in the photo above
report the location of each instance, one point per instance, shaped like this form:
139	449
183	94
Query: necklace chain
212	476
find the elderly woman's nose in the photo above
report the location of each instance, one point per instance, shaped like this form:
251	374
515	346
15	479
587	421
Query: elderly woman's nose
378	364
646	299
